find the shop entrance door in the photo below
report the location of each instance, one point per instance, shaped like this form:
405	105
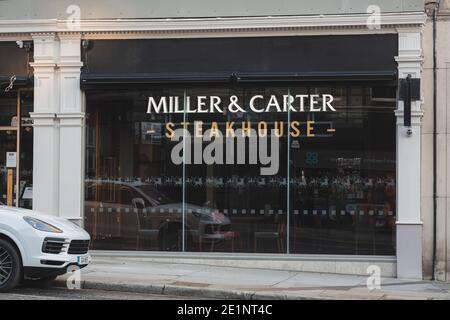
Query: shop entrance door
8	166
16	149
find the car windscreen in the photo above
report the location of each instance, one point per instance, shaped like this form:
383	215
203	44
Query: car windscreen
157	197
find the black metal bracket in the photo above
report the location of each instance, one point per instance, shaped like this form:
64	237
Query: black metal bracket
409	91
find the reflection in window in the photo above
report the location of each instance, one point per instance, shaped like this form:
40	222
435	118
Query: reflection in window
343	186
333	193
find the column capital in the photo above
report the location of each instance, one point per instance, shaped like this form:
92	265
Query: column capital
71	119
42	115
45	48
70	51
43	119
71	115
43	66
410	56
70	66
409	59
409	223
410	43
416	116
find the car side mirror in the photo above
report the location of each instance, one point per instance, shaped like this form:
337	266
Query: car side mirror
138	203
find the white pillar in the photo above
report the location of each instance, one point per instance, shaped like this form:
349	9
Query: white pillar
71	134
45	135
409	223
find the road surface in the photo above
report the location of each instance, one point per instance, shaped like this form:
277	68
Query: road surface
85	294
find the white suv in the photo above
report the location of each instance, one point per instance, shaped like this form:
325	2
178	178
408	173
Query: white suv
38	247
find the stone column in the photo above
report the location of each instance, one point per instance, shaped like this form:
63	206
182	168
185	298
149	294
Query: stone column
71	135
46	132
409	223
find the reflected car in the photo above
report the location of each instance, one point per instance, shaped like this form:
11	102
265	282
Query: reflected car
137	216
38	247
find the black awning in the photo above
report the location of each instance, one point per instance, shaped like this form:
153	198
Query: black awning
318	76
136	79
104	81
19	82
241	59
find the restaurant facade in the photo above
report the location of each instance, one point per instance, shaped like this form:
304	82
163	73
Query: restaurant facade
295	148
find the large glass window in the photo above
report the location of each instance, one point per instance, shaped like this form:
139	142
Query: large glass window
333	190
246	212
342	190
133	191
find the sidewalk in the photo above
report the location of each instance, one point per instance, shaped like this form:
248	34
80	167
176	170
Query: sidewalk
241	283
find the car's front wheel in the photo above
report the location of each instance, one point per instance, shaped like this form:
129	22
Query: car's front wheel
10	266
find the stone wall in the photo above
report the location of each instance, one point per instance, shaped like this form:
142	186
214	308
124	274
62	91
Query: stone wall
443	145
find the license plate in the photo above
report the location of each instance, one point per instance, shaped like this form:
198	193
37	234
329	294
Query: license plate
82	260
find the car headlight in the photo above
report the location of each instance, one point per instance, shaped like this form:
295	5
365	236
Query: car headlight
202	216
41	225
75	224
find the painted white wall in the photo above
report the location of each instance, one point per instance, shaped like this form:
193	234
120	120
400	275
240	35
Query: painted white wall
409	223
71	128
46	133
